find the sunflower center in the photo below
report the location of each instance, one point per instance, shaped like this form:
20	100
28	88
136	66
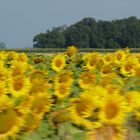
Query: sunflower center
58	62
87	80
81	107
128	67
62	90
111	110
93	61
7	120
106	70
119	57
107	58
18	84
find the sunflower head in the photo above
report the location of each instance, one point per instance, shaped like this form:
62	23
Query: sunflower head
72	50
86	79
38	77
58	62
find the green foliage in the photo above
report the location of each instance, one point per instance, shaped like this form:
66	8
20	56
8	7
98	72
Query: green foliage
89	33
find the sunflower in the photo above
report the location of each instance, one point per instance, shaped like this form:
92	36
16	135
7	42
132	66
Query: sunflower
133	99
119	57
72	50
19	86
22	57
32	122
137	71
39	105
3	72
17	69
12	55
128	68
38	77
91	61
107	59
58	62
114	109
64	77
107	69
86	79
83	110
10	120
3	55
62	90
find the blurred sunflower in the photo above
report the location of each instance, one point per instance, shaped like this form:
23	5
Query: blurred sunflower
107	58
22	57
114	109
64	77
128	68
83	110
86	79
19	86
38	77
72	50
58	62
119	56
61	91
10	120
91	61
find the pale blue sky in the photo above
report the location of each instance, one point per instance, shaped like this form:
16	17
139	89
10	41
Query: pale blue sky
21	20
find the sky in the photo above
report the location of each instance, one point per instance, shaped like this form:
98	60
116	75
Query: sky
21	20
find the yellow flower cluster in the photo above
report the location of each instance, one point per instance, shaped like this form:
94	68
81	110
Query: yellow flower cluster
93	91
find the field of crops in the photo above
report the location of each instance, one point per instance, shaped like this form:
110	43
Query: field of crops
70	96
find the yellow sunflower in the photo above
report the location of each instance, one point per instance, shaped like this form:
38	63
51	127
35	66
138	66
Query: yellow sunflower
83	110
58	62
114	109
133	100
17	69
12	55
91	61
107	58
64	77
61	90
10	120
119	56
3	55
38	81
39	105
38	77
19	86
22	57
128	68
3	72
86	80
72	50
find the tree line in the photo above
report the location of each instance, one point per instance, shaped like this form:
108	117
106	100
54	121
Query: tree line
89	33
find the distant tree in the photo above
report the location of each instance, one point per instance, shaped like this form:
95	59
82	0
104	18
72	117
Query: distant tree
89	33
39	41
2	45
79	33
51	39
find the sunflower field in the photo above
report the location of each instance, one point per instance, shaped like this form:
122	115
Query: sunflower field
70	96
